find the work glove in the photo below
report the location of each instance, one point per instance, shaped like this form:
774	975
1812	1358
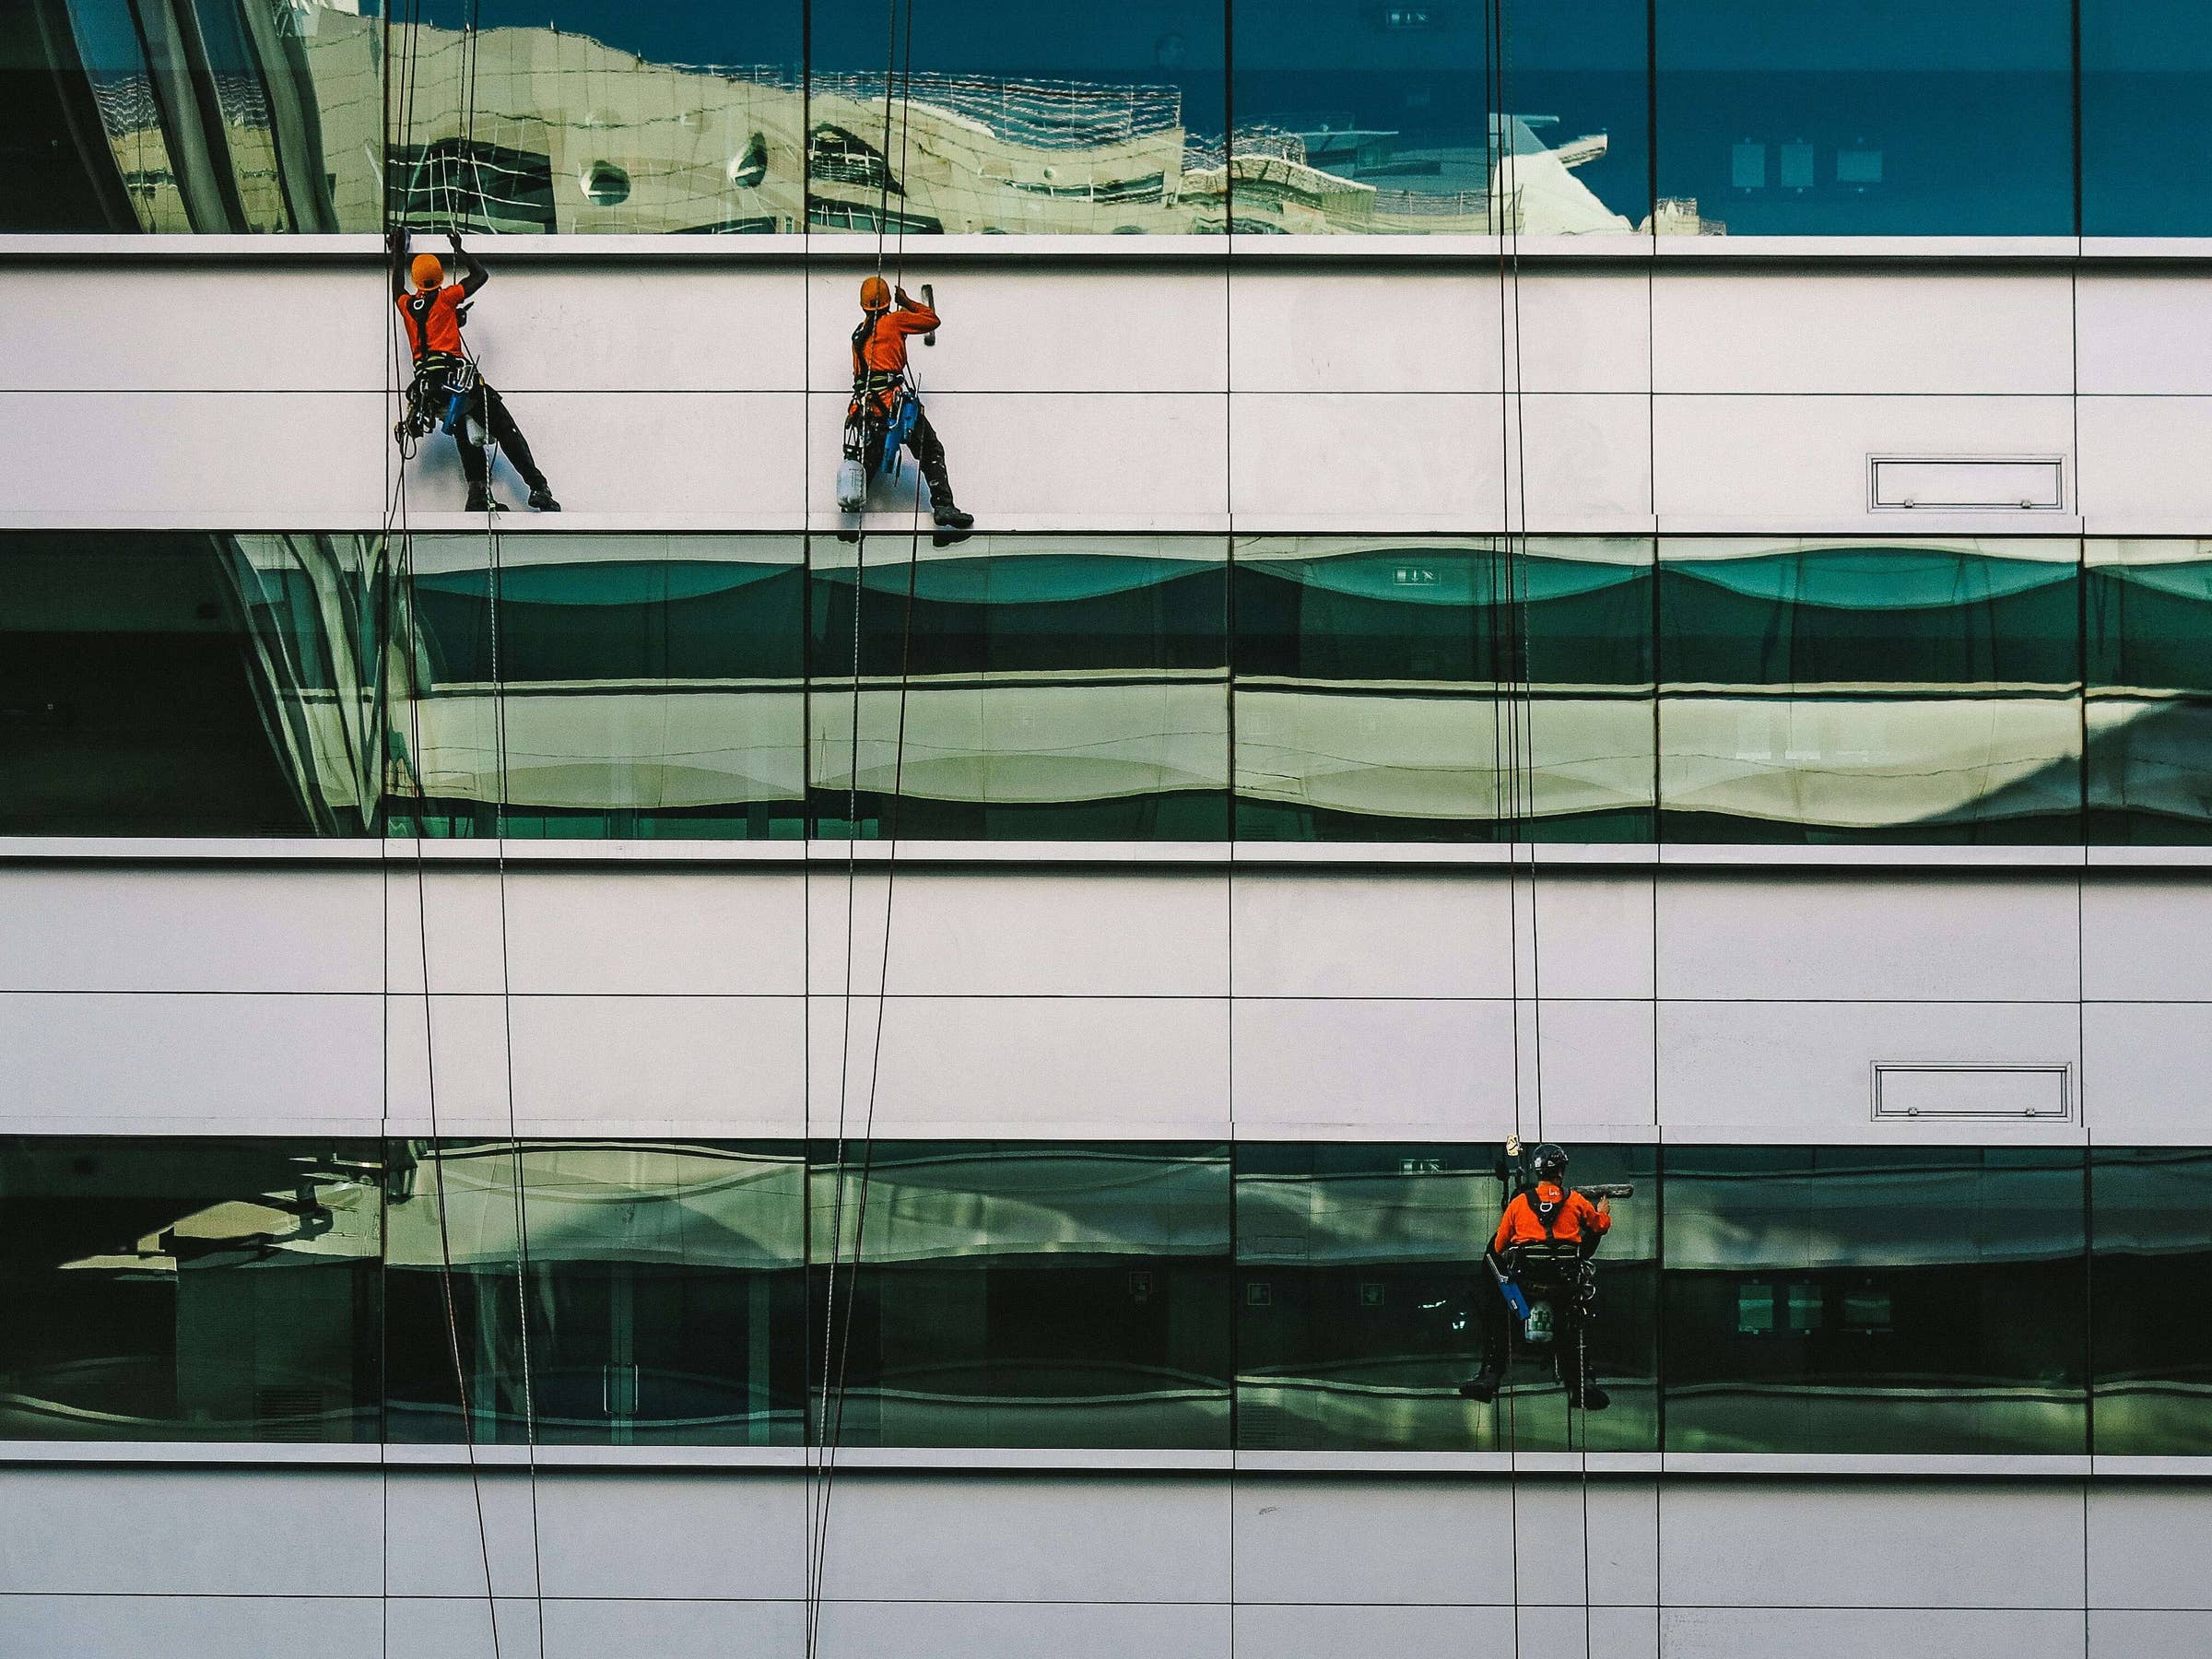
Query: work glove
455	237
904	303
396	242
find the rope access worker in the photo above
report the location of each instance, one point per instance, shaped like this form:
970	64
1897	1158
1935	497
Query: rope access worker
447	389
884	402
1541	1252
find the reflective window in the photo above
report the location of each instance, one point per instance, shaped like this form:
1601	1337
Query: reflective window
1046	116
652	686
1025	1293
182	685
1833	690
2150	1289
2146	154
1387	119
1362	1299
1875	1299
1046	687
2148	609
1869	117
1378	692
188	1289
660	1288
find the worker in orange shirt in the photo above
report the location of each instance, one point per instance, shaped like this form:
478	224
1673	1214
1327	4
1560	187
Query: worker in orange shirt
447	388
884	411
1541	1253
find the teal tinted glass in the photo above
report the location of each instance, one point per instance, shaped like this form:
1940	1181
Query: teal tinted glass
646	686
1415	688
1018	1293
2147	606
1048	117
189	1289
2150	1289
1021	688
1841	690
1869	117
2146	156
1363	1303
1441	118
651	1293
1874	1299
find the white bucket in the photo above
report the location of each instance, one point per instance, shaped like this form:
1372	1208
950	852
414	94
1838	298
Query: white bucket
851	486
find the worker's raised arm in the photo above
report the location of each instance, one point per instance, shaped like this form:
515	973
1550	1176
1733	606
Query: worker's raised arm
395	244
913	316
478	275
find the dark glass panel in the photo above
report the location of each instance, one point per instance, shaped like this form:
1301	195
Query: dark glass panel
1837	691
2150	1288
156	1289
1874	1299
1361	1295
651	687
2146	150
1364	116
1015	1293
1047	116
662	1286
2148	613
1378	692
177	685
1869	117
1061	687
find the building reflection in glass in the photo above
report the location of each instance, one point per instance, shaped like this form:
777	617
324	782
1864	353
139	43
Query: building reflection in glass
2147	610
2150	1291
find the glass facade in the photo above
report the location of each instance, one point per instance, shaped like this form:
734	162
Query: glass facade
2149	712
1270	1296
1325	117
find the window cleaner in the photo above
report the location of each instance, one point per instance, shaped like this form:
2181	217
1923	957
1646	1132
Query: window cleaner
886	415
448	393
1540	1260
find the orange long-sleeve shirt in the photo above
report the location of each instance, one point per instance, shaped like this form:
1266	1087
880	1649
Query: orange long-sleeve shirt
1577	1218
882	349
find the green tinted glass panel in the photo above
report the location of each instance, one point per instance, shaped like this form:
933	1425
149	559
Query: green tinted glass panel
2146	158
189	1289
1874	1299
2150	1288
2147	608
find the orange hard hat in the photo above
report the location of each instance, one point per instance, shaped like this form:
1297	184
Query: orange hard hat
875	294
427	270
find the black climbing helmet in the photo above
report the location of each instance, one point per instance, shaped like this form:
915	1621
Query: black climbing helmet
1550	1161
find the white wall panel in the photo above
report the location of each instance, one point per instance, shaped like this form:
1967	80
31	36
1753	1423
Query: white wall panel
2148	940
1797	331
185	1062
739	1537
1873	1544
1413	934
148	328
2149	1546
1425	330
2142	469
670	1629
1832	1633
1752	462
656	933
2147	332
631	328
1146	328
1802	937
2129	1635
1065	1067
1436	1541
1377	1069
1803	1072
193	929
2143	1073
1599	1078
100	1626
233	461
1332	1632
1048	460
1023	1631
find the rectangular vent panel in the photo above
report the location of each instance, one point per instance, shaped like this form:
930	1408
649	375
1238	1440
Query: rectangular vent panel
1946	1092
2031	483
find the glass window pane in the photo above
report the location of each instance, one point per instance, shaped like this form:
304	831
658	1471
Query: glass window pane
1869	117
1377	693
184	684
2148	610
662	1287
1387	119
652	686
1847	691
1054	687
1362	1297
2146	151
189	1289
1875	1299
1048	117
2150	1288
1019	1293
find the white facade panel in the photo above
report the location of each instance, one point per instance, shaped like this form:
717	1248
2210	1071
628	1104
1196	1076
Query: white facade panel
2134	1635
1376	1070
656	933
627	328
1439	1541
2143	1075
1836	1633
1021	1629
2149	1546
2144	333
1329	1631
98	1626
2147	940
1417	934
2141	471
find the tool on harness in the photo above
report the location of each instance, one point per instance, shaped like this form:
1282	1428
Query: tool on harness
460	387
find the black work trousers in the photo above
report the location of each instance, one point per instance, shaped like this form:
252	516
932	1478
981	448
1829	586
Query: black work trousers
922	443
1570	1327
489	409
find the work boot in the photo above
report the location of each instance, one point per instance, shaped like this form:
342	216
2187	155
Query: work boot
479	499
1481	1387
1593	1398
948	516
541	500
